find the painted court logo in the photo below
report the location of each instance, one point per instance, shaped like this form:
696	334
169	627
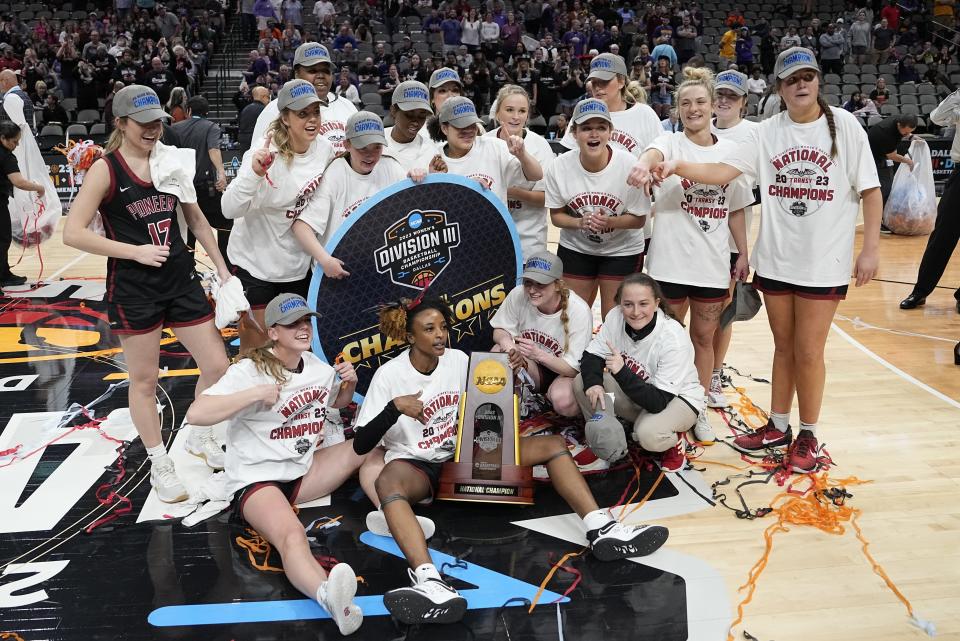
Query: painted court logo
417	248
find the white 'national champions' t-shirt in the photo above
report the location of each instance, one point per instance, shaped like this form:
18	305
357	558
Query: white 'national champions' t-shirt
275	443
342	191
692	245
571	187
663	359
262	240
441	390
408	154
633	130
737	134
489	158
531	221
521	318
810	200
333	121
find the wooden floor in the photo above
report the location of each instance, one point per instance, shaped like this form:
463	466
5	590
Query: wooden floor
891	415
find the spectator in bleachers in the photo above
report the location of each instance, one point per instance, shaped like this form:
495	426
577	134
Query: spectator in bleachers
347	56
160	79
860	105
891	12
346	89
169	25
662	85
790	39
744	49
247	119
665	49
451	28
345	36
40	93
809	39
327	30
177	104
860	38
572	79
832	43
906	71
600	37
324	8
672	122
880	93
293	13
53	112
490	36
86	85
686	40
414	69
388	83
728	48
756	83
510	33
884	39
548	49
470	30
576	39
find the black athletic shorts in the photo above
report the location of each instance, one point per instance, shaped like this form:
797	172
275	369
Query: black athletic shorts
144	316
675	292
290	490
589	267
260	292
772	287
430	471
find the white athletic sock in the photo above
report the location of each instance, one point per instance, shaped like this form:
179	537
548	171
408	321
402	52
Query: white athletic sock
809	426
780	421
156	452
427	571
596	519
322	593
716	373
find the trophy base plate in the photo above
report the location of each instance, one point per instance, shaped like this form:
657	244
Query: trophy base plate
515	485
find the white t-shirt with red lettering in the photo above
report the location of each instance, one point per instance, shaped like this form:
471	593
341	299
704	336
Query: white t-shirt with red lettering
333	121
664	358
275	443
693	233
521	318
737	134
633	130
436	440
810	200
571	187
490	159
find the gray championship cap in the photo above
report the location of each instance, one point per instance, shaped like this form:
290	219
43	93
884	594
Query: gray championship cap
442	76
794	59
543	268
296	95
411	95
606	66
311	53
588	109
732	80
365	128
285	309
459	112
140	103
744	306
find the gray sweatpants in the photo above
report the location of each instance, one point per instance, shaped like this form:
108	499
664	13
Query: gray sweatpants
654	432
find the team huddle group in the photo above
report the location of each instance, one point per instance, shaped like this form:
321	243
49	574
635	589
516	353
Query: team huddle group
625	192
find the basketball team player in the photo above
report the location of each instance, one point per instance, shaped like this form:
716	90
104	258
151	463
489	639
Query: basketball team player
600	217
814	176
151	276
273	186
511	110
409	108
691	259
311	62
411	409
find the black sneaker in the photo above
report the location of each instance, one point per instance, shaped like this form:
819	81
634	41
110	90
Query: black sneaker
12	280
430	601
616	541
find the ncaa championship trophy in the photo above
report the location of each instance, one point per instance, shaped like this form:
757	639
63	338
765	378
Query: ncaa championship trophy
486	466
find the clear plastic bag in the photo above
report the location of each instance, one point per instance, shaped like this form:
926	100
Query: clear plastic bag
911	209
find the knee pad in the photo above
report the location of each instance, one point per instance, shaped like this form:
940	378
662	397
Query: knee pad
390	499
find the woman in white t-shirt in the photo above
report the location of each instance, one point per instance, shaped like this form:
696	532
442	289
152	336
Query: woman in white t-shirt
348	182
814	176
600	217
544	328
272	188
495	164
729	106
411	409
409	108
644	359
275	399
511	109
444	83
695	222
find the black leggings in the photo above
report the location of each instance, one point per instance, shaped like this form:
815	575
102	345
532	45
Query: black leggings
6	234
943	241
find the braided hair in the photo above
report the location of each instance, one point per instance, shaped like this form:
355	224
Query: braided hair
827	111
564	315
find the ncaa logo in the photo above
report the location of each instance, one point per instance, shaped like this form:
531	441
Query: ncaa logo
415	220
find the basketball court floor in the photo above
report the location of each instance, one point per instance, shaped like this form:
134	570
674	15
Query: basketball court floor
890	419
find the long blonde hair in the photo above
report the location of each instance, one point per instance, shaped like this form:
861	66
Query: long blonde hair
267	363
281	136
634	93
564	315
116	136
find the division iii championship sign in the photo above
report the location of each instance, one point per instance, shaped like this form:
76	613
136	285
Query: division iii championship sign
447	234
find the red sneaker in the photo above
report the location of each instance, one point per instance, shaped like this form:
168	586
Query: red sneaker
767	436
674	459
803	455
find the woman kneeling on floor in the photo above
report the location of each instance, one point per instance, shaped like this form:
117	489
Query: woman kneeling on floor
276	398
411	408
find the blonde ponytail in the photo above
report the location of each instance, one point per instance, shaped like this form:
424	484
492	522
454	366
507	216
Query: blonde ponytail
267	363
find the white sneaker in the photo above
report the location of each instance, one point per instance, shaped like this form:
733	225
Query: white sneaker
703	431
618	541
341	587
715	396
200	442
163	478
429	601
377	524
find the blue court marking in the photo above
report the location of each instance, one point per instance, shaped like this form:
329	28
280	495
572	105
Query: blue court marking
492	590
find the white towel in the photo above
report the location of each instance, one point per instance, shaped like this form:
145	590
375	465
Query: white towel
230	300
